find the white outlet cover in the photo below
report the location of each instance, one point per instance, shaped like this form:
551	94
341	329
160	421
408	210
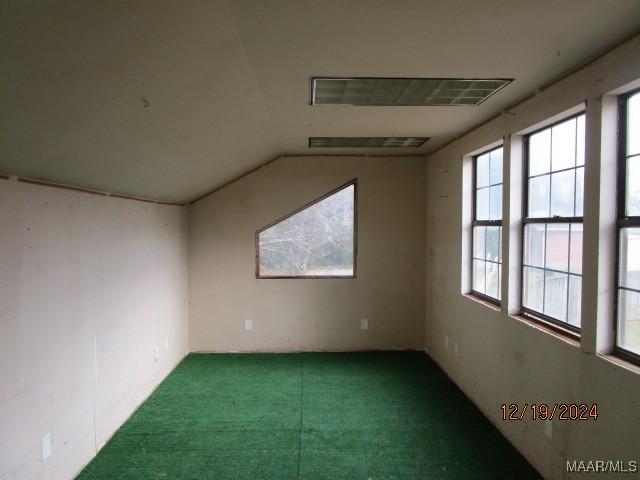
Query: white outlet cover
248	324
548	428
364	324
157	353
446	342
46	446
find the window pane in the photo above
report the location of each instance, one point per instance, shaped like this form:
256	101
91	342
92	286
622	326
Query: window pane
575	254
633	186
317	241
479	276
629	320
580	142
495	202
478	241
630	258
495	175
493	280
557	247
534	238
493	243
633	125
533	288
540	152
562	193
579	191
555	295
575	300
482	204
563	138
482	170
539	197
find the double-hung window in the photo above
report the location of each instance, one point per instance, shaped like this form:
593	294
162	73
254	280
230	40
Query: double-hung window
487	225
552	247
628	281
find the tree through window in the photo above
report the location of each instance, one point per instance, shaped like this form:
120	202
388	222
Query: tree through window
315	241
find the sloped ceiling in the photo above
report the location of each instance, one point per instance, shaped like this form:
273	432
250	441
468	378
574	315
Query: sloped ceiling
167	99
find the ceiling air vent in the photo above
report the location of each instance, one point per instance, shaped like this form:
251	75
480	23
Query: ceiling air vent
366	142
403	91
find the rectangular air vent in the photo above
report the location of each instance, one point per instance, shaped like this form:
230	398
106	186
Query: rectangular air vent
403	91
366	142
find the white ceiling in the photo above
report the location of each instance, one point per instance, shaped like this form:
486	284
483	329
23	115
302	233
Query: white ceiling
168	100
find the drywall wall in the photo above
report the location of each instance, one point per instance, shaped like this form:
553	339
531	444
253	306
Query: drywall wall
310	314
497	358
89	285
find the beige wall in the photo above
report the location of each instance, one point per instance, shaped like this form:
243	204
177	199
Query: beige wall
89	285
501	359
319	314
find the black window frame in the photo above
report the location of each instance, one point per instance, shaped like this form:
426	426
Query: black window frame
622	219
559	326
485	223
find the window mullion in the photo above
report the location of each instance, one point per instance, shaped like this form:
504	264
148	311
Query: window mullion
553	284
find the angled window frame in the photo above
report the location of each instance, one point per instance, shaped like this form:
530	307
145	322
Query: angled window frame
354	183
622	219
485	223
559	326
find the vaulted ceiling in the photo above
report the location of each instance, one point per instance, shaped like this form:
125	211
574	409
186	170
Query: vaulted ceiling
167	99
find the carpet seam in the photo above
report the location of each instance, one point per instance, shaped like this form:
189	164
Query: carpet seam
301	409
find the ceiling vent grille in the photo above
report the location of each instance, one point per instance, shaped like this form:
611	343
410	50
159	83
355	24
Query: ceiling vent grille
366	142
403	91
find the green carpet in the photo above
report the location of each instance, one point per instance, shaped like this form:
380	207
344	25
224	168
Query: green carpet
369	416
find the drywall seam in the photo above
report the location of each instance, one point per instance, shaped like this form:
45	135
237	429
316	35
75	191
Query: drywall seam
292	155
235	179
526	98
135	409
47	183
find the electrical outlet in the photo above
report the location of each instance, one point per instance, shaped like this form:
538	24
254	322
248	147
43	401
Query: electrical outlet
248	324
45	443
156	355
446	342
364	324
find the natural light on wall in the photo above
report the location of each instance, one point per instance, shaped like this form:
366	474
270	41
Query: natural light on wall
317	241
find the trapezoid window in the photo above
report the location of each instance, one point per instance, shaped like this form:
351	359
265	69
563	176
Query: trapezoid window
316	241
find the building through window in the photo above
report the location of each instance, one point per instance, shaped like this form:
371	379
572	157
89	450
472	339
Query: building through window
552	248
